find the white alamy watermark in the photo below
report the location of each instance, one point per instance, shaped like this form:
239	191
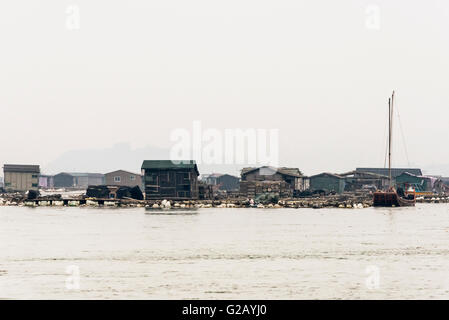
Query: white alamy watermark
372	17
251	146
372	282
72	21
72	282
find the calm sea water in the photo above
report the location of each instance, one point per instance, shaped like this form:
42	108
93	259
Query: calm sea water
225	253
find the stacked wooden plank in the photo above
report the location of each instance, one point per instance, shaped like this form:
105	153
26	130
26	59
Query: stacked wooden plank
205	191
253	189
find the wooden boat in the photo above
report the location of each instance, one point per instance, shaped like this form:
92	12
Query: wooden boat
392	197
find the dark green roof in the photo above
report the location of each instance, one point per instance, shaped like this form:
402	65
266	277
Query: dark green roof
170	164
327	174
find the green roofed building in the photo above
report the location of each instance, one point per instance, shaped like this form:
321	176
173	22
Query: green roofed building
167	179
406	180
327	182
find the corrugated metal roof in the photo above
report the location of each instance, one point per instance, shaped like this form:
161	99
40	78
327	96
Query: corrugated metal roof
328	174
228	175
124	171
290	171
394	171
294	172
21	168
363	174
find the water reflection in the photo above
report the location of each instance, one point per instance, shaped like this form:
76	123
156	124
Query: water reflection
172	211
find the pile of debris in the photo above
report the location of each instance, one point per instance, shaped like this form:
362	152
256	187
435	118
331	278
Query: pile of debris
12	198
114	192
55	197
205	191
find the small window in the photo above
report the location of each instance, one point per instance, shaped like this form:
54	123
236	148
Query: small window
34	176
132	178
34	185
152	178
117	179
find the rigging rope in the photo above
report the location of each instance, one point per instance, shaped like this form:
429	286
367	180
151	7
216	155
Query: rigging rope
403	136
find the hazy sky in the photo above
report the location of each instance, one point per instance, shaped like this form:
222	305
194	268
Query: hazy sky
319	71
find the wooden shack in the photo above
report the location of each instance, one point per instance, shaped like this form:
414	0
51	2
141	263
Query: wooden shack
281	181
364	181
166	179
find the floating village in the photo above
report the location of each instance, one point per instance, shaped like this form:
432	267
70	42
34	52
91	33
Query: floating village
166	184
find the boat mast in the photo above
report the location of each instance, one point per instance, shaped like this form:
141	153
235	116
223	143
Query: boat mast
390	110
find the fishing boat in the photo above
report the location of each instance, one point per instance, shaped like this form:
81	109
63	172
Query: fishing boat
392	197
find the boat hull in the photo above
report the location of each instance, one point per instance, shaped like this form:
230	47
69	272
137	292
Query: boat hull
391	199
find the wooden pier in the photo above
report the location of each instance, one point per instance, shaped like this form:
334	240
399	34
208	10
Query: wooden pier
78	202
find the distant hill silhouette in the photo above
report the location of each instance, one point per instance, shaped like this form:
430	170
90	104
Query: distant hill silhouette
120	156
